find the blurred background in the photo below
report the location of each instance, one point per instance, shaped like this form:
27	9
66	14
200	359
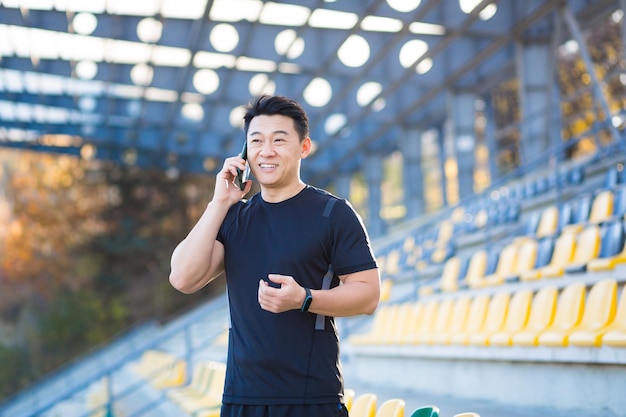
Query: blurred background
115	117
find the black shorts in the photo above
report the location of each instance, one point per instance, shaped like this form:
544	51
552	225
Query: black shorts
310	410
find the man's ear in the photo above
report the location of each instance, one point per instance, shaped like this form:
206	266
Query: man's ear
305	147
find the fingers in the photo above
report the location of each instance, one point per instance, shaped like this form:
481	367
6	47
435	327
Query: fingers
283	298
229	169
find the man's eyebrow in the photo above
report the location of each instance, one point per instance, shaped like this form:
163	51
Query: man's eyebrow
283	132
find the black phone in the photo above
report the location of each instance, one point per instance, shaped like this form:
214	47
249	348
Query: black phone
242	175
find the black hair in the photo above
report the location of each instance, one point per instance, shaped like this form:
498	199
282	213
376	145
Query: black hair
270	105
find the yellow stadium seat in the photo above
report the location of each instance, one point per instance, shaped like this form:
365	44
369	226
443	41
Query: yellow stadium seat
385	289
467	414
380	321
516	318
449	278
348	397
548	222
569	312
615	334
476	269
456	323
405	317
162	369
424	323
587	248
563	251
391	408
441	322
475	319
599	313
602	207
494	319
542	312
364	405
202	398
505	267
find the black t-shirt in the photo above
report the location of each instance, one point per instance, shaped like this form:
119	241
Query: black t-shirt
281	358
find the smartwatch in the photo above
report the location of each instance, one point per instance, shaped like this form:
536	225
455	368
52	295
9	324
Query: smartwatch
307	301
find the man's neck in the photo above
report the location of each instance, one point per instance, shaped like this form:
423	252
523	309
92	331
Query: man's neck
276	195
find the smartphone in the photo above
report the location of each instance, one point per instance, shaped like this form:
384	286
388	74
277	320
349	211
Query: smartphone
242	176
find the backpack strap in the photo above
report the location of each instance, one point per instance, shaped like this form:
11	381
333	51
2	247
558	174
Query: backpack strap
320	320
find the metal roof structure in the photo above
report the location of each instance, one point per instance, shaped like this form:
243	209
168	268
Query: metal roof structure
160	83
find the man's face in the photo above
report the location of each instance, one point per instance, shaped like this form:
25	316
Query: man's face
275	150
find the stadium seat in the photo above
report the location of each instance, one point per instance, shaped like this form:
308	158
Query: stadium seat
449	278
382	320
426	411
386	286
542	311
162	369
475	319
494	319
526	259
203	396
602	207
615	333
441	321
580	214
467	414
516	318
424	323
364	405
391	408
457	321
613	250
548	222
475	269
401	325
348	397
587	247
505	267
569	312
561	255
611	238
619	205
98	399
599	313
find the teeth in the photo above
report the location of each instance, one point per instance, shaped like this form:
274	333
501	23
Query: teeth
267	166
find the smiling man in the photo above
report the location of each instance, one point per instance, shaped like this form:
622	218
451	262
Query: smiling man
295	257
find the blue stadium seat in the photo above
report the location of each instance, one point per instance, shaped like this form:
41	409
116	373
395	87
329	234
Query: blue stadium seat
611	243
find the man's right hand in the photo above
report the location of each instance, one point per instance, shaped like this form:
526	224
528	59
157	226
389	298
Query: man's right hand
226	192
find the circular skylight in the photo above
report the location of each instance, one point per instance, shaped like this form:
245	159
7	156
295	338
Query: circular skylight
236	116
318	93
287	43
224	37
261	84
206	81
86	70
412	51
404	5
192	111
487	13
141	74
366	93
149	30
334	123
84	23
354	52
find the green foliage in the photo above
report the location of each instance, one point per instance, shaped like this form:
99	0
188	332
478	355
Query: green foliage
14	372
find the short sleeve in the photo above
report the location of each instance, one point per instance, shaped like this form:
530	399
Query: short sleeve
351	248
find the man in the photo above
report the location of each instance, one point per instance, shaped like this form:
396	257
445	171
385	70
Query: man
295	257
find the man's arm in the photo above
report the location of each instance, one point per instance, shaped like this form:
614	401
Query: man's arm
199	258
358	294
